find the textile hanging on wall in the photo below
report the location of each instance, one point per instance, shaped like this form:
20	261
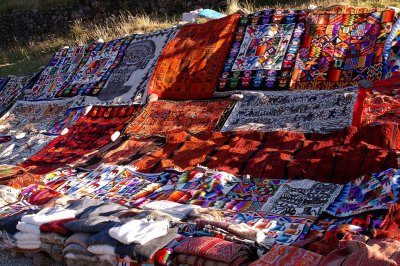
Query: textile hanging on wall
60	69
302	198
342	45
302	111
10	91
87	135
160	117
264	50
129	81
32	117
337	157
190	65
95	68
391	54
379	104
71	116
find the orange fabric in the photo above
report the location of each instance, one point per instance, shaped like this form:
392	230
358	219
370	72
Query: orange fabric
190	65
161	117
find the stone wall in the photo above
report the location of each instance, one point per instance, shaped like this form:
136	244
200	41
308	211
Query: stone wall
29	25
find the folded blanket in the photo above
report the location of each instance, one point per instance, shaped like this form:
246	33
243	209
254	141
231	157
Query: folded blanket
48	215
103	209
147	251
76	249
177	210
81	257
138	231
102	238
204	214
57	227
79	238
10	223
102	249
28	228
51	248
93	224
28	244
148	215
26	236
215	249
53	238
184	259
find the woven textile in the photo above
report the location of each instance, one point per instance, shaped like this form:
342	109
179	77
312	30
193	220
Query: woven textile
263	52
190	65
336	157
71	116
16	177
60	69
10	91
95	68
129	81
303	111
379	104
161	117
341	46
392	52
287	255
87	135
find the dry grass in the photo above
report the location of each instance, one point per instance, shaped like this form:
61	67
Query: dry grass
23	59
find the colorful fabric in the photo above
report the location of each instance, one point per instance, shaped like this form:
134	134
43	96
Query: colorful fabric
16	177
391	53
71	116
302	198
190	65
264	50
162	117
57	227
302	111
10	91
342	45
287	255
95	68
32	117
87	135
374	191
379	104
390	226
337	157
60	69
215	249
129	81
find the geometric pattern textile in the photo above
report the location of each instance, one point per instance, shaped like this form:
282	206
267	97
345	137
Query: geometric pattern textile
342	45
392	52
190	65
263	52
11	91
87	135
95	68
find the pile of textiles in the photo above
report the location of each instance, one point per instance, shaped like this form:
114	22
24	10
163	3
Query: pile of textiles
203	217
180	147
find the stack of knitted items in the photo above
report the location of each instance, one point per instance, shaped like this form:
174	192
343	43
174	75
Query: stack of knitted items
29	235
8	195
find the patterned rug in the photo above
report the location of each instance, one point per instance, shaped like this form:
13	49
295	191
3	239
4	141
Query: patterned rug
32	117
16	177
302	111
95	68
71	116
10	91
60	69
264	50
129	81
336	157
391	53
161	117
87	135
342	45
379	104
190	65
